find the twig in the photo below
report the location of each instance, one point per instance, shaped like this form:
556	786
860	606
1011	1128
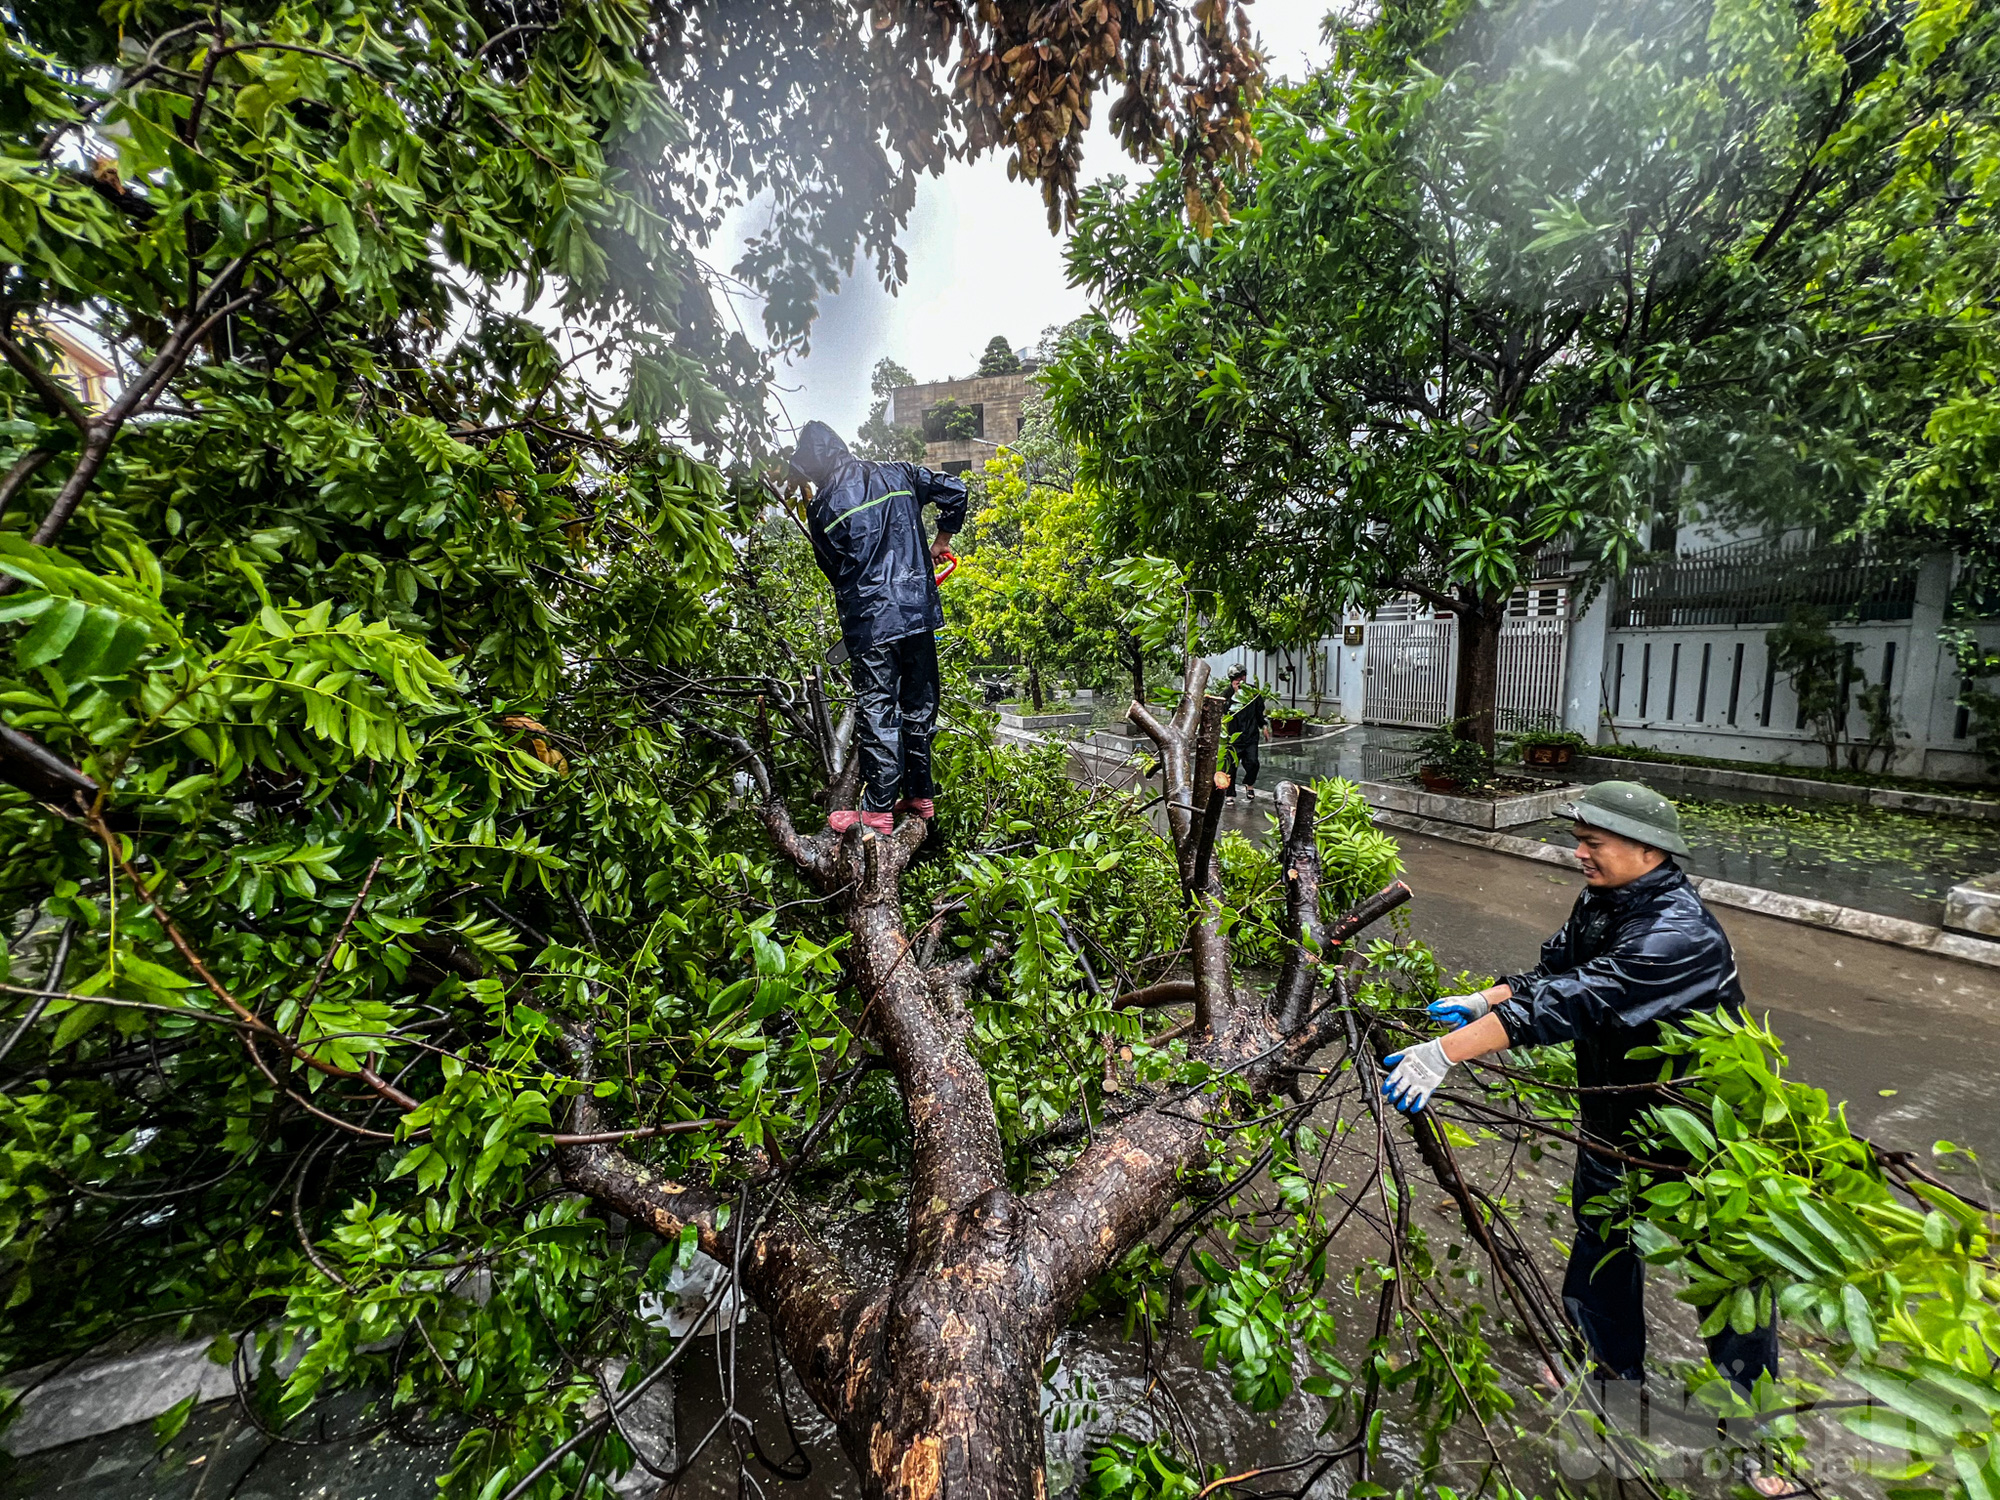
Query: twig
49	989
339	937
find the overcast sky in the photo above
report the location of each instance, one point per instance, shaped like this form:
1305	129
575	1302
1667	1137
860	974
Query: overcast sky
981	260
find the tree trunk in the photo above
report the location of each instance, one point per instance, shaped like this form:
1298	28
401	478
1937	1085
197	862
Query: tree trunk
949	1367
1035	685
1475	694
1136	655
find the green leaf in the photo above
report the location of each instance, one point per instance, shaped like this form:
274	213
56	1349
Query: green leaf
76	1023
1693	1135
86	649
168	1424
1891	1430
51	634
152	976
1743	1310
1934	1409
1860	1322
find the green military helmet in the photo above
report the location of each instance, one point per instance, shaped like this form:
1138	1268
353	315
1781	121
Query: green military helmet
1632	811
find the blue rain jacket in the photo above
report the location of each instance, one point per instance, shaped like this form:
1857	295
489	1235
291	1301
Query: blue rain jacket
867	529
1626	960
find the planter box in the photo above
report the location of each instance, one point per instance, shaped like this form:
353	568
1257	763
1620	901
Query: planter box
1045	721
1974	907
1123	746
1473	812
1548	755
1666	777
1288	729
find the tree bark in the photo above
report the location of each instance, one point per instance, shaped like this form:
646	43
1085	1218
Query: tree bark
1476	692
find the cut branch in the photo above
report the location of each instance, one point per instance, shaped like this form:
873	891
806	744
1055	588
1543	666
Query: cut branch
1211	825
40	773
799	1287
1153	996
25	468
1298	981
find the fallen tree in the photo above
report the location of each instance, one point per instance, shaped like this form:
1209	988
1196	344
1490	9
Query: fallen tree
934	1377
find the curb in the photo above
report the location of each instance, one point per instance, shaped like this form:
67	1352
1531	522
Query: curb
1786	908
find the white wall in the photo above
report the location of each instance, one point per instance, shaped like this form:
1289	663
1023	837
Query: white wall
1653	707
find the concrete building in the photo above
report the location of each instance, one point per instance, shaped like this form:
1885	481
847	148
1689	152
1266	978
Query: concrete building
84	369
997	403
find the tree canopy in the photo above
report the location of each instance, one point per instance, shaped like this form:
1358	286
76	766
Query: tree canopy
1508	279
1032	587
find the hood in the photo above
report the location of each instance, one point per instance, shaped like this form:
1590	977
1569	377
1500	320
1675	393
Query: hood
820	454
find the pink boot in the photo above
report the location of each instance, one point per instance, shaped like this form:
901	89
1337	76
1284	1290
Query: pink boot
923	807
847	817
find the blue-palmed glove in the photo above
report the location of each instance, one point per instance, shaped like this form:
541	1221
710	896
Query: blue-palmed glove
1459	1010
1415	1075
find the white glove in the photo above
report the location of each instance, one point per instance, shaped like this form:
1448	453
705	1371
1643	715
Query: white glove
1416	1075
1459	1010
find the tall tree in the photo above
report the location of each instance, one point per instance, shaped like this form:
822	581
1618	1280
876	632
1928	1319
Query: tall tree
1500	277
1032	586
999	358
879	438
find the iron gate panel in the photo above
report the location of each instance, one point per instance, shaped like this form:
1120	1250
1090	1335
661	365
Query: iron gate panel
1409	671
1411	667
1534	661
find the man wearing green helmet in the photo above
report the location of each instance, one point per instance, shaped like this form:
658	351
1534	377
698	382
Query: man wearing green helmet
1639	949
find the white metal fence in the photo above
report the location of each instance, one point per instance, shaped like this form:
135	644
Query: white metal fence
1534	668
1412	663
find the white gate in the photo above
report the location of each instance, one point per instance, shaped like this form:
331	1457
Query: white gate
1409	671
1412	664
1534	659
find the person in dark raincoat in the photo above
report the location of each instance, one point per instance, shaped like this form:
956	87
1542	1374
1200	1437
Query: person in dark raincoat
867	528
1639	949
1246	732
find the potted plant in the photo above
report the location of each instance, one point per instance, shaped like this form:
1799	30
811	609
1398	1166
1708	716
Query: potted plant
1450	765
1287	724
1554	748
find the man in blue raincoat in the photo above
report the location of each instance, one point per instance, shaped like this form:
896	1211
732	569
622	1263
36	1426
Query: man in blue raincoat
1639	949
867	527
